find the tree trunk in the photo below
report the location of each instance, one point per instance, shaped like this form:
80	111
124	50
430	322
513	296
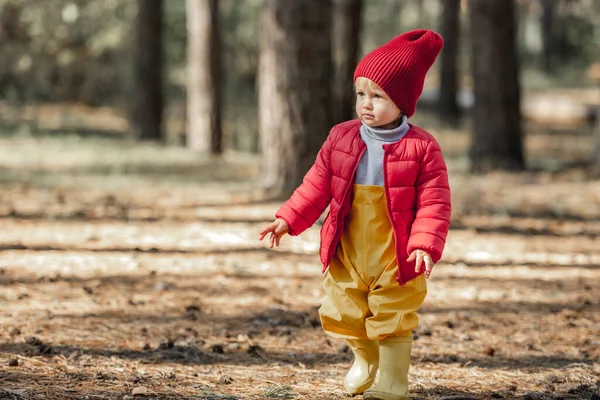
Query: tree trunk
497	135
596	141
294	89
346	38
204	131
448	107
147	74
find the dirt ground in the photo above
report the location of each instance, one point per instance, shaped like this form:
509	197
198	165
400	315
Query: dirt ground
134	271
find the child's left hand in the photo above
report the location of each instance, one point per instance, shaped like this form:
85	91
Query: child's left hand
421	256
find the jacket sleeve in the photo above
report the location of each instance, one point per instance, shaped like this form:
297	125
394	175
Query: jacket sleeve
312	197
430	228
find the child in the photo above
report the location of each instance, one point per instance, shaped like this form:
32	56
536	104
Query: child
386	183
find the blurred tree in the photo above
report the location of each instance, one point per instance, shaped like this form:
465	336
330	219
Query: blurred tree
547	25
594	76
420	11
240	22
294	89
396	13
147	74
10	18
204	91
384	19
497	134
346	37
450	31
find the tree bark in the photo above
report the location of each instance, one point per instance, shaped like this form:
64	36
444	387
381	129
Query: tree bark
497	133
147	74
346	37
204	94
448	106
294	89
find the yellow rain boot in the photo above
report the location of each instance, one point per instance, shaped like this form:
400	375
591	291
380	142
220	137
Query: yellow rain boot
394	359
366	360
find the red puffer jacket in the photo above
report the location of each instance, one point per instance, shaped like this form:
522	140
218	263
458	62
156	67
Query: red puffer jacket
416	187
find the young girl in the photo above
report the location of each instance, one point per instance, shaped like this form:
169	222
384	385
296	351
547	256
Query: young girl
386	183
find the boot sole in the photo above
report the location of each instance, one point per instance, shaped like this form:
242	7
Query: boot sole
360	389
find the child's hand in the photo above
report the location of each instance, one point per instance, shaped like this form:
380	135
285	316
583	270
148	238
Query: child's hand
421	256
278	228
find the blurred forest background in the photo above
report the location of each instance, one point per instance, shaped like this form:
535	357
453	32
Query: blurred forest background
86	66
144	144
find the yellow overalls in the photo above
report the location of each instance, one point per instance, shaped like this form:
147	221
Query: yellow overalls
364	300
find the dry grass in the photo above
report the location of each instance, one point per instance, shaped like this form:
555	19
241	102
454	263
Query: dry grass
131	271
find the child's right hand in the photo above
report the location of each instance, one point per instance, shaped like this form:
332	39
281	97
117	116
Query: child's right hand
277	228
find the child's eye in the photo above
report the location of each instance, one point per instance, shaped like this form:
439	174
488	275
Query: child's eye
378	96
360	94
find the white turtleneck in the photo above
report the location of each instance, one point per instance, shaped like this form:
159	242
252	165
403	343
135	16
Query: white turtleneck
370	167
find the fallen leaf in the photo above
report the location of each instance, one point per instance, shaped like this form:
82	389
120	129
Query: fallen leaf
140	390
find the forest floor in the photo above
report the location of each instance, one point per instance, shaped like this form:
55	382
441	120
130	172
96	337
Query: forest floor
131	270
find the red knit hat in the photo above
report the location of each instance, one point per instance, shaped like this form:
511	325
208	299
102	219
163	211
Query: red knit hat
399	67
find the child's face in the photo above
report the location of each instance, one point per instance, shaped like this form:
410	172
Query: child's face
374	107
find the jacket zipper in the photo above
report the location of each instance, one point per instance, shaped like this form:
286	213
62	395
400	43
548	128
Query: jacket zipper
330	252
389	208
